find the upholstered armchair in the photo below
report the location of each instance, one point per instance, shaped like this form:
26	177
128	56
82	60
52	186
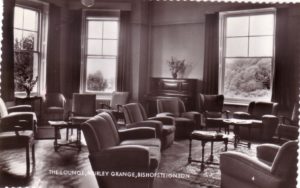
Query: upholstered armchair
135	116
264	111
17	129
129	150
118	99
83	107
211	109
185	122
55	106
274	167
288	126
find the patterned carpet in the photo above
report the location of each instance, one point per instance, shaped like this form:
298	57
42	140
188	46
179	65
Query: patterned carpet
173	160
211	176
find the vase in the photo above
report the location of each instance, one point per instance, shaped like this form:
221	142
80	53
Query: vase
174	75
27	93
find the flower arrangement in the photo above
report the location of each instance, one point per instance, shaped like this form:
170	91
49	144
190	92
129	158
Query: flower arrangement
176	66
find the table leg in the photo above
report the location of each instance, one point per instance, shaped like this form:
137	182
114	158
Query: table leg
249	141
55	138
202	161
190	152
79	139
226	142
236	131
211	157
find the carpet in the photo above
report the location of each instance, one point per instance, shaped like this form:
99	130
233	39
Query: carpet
45	133
211	176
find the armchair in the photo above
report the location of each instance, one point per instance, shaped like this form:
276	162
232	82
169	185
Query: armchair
288	127
55	106
135	116
185	122
264	111
118	99
17	129
130	150
83	107
274	167
211	108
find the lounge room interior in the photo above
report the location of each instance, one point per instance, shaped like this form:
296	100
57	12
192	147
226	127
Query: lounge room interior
132	93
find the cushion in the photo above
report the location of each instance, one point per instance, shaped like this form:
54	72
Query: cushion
143	142
11	140
180	121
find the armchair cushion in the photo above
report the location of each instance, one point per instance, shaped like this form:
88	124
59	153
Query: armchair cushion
148	123
267	152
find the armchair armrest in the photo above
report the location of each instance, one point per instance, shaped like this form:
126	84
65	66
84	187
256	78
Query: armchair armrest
163	114
241	115
148	123
121	158
166	120
19	120
267	152
20	108
247	169
137	133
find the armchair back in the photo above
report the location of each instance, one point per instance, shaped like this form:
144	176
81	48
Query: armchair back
100	132
118	98
171	105
134	112
55	100
258	109
211	103
84	104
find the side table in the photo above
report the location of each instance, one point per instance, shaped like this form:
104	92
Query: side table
63	124
204	137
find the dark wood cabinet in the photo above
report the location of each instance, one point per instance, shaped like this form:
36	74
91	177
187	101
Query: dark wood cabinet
185	89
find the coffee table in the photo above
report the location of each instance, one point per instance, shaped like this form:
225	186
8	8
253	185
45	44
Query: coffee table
204	137
71	144
237	123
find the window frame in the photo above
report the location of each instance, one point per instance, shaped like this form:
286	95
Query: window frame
42	36
108	15
222	50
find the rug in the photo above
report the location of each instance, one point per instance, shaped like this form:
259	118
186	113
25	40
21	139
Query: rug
211	176
46	133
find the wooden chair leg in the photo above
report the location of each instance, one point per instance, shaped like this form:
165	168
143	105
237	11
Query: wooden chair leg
33	153
27	160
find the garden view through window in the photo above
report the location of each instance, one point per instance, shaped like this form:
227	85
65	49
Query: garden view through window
101	54
26	48
247	56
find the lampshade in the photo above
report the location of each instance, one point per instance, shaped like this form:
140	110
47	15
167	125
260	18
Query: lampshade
88	3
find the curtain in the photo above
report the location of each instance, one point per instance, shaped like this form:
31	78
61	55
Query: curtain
7	64
211	54
123	70
285	82
53	50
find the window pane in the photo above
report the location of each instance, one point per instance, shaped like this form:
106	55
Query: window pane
237	47
95	29
30	40
110	47
30	20
18	17
17	36
262	24
94	47
248	78
261	46
110	30
237	26
101	74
